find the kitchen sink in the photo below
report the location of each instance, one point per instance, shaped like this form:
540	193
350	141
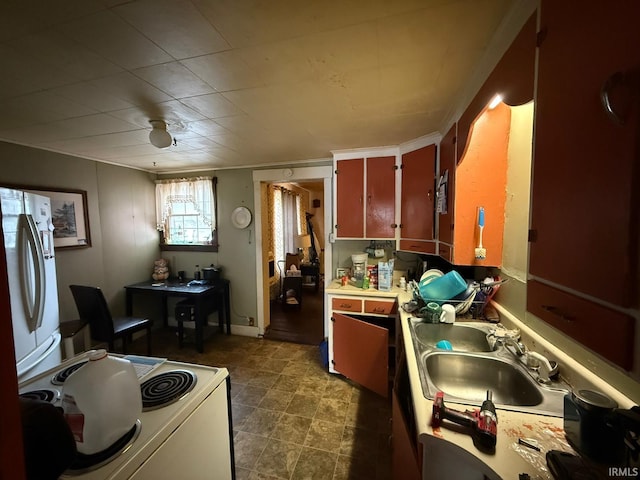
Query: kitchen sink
462	338
470	376
465	373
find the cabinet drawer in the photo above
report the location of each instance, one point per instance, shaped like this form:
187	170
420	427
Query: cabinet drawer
418	246
607	332
346	304
379	307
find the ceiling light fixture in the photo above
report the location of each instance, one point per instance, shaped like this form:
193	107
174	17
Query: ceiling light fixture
159	137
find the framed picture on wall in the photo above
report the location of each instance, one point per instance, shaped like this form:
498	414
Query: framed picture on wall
69	215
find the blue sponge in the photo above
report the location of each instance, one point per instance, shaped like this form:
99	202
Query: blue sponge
444	345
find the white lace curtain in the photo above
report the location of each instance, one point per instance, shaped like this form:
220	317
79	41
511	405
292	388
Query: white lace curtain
286	222
198	191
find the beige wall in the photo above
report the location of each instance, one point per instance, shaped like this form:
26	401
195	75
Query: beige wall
516	222
124	242
236	254
122	221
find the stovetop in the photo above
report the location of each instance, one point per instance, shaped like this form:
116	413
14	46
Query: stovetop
194	384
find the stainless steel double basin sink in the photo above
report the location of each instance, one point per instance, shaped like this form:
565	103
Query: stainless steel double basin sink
472	367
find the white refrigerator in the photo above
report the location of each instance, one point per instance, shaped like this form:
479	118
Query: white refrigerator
28	238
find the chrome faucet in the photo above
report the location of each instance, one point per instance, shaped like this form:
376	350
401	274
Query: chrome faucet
518	347
507	340
546	367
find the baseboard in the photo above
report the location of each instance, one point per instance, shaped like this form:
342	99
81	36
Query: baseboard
244	330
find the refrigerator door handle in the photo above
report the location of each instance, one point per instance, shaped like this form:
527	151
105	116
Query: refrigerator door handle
23	369
29	246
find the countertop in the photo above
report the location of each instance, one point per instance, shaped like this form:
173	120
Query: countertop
336	288
449	451
453	447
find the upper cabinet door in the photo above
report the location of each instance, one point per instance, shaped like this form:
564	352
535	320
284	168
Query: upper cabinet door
448	166
585	209
366	209
381	197
349	198
417	204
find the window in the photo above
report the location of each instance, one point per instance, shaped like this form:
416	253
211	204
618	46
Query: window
286	221
186	214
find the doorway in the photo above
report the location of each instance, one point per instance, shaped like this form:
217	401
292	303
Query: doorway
296	213
277	319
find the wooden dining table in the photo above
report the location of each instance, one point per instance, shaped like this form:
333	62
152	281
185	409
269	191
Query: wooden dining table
206	297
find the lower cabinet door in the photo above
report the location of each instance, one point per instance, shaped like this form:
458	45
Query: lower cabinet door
361	352
403	457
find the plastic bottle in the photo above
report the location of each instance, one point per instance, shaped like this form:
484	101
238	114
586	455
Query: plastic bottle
101	401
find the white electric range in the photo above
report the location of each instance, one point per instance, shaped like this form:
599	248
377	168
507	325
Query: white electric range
189	437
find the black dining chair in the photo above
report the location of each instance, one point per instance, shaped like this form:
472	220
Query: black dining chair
92	308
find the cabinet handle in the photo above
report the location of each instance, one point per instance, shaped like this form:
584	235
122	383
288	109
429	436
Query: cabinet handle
394	225
368	199
345	305
558	313
609	83
379	310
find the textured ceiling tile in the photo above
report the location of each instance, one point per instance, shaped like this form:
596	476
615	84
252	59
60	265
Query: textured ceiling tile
224	71
92	125
106	141
174	79
212	106
315	56
255	81
175	25
116	40
131	89
31	72
53	49
206	128
88	94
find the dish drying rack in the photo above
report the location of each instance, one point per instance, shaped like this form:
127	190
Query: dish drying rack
473	306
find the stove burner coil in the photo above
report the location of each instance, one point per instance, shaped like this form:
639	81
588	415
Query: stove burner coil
44	395
62	375
166	388
86	463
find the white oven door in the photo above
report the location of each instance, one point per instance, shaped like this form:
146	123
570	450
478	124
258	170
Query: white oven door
200	447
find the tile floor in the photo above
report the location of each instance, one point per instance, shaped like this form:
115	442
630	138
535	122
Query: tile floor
292	419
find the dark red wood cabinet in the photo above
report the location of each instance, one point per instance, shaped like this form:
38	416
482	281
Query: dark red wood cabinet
418	200
365	198
585	198
380	204
350	198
